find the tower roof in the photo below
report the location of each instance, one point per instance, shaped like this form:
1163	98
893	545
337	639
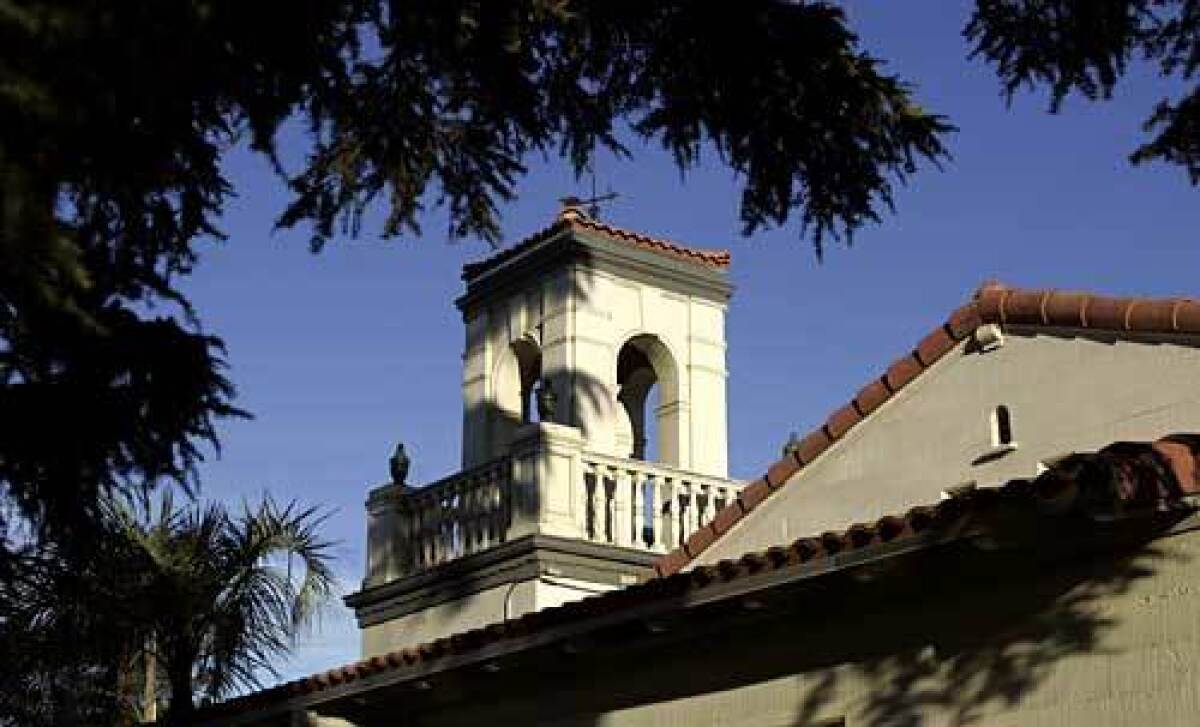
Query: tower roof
573	219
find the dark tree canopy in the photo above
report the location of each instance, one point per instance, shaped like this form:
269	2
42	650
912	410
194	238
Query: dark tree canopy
116	115
1086	46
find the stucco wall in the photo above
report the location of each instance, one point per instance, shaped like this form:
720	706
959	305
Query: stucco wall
1065	393
485	607
476	610
1091	642
579	318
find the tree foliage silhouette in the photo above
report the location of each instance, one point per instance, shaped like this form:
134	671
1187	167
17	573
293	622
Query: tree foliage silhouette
117	115
183	603
1086	47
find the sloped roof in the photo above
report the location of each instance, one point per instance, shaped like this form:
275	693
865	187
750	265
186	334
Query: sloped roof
1119	479
572	218
993	303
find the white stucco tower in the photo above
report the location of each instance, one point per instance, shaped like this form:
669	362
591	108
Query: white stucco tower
600	316
594	435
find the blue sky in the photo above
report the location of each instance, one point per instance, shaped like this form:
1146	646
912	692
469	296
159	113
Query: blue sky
341	354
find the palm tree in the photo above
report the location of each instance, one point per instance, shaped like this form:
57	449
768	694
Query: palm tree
214	599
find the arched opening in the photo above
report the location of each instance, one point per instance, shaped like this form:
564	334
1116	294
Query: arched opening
648	390
517	373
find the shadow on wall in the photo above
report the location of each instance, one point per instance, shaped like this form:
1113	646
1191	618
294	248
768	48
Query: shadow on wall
952	640
973	646
954	635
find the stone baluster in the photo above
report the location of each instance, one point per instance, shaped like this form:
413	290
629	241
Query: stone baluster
439	528
609	530
504	502
449	507
420	531
691	513
466	514
664	538
582	498
707	504
599	509
470	517
484	512
622	527
498	487
637	487
459	517
429	504
725	497
479	510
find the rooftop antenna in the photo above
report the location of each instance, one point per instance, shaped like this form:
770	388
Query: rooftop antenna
591	205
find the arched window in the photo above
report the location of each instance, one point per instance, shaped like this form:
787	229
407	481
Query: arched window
517	371
648	391
1002	430
529	360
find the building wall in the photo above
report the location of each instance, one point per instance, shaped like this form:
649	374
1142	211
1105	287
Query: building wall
1065	393
511	600
1108	641
579	318
451	617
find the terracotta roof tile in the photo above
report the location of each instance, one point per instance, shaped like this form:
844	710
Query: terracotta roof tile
727	517
871	397
963	321
813	446
699	541
572	219
782	471
937	344
993	303
750	496
841	421
902	372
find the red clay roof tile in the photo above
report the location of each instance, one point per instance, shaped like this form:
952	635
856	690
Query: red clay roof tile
1186	316
871	397
698	541
780	472
902	372
752	494
842	421
812	446
963	321
574	220
937	344
727	517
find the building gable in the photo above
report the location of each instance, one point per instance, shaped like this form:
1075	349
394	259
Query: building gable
1118	364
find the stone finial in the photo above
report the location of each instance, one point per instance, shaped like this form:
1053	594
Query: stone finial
547	401
792	445
399	463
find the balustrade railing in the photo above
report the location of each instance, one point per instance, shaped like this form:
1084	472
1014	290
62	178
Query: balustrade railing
648	506
616	501
462	514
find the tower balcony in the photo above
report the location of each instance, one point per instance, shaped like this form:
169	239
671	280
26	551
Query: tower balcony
548	485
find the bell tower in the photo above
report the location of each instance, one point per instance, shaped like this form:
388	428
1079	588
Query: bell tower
597	317
594	435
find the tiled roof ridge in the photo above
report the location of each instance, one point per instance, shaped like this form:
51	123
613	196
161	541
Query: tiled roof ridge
992	303
574	219
1122	477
